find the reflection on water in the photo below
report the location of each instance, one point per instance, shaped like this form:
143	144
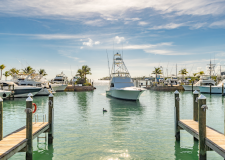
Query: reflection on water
142	129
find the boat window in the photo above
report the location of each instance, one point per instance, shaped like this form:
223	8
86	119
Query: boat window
5	84
112	85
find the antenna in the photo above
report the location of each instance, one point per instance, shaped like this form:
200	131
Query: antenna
108	63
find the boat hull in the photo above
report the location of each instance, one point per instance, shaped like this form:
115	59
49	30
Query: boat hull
125	94
43	92
59	87
21	93
214	89
4	94
189	88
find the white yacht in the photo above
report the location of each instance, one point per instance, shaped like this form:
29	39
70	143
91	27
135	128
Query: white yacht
59	83
204	81
121	84
34	80
21	91
4	94
214	89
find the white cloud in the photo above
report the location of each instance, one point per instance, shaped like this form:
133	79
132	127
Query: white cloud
73	9
218	24
147	46
119	39
81	47
168	26
67	54
142	23
198	25
90	43
97	42
166	52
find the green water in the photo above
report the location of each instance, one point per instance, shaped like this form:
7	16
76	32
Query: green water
129	130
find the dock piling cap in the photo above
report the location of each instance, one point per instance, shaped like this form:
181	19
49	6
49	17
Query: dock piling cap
195	92
50	95
201	97
30	95
29	99
1	100
176	92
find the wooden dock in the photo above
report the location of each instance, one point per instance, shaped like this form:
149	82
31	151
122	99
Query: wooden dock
16	141
21	140
209	138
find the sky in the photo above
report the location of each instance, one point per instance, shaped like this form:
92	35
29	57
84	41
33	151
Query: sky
62	35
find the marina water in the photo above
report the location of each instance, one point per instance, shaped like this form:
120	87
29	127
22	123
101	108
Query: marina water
129	130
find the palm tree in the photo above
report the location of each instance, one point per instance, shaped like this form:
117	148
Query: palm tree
28	70
13	71
183	72
201	73
80	73
156	72
6	74
42	72
86	70
1	68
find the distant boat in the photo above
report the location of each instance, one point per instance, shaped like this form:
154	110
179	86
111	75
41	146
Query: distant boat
59	82
214	89
204	81
121	84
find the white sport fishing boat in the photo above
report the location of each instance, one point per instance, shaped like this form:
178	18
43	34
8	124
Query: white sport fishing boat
59	83
204	81
219	89
121	84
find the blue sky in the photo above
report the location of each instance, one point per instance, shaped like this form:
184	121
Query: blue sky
63	35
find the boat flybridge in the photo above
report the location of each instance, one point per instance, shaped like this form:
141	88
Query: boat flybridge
121	84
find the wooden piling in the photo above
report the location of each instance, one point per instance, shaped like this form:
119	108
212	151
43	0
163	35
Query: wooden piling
29	129
1	118
195	105
202	126
2	86
50	119
13	90
210	88
222	89
177	115
192	86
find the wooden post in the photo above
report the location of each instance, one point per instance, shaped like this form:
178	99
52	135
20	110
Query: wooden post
50	119
195	105
210	88
92	84
2	86
177	115
202	126
192	86
222	89
1	118
13	90
29	129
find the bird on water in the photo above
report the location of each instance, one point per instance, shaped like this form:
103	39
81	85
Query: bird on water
104	110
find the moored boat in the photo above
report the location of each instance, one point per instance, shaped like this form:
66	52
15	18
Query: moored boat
121	84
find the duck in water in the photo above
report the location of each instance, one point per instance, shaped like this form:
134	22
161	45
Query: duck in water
104	110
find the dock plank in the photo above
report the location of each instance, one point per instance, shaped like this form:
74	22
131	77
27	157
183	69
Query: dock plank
16	141
214	139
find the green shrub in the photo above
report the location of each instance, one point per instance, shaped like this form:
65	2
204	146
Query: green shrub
87	84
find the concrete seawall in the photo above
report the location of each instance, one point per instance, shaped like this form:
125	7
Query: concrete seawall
79	88
166	88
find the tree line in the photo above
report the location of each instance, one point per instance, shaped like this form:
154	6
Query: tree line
14	71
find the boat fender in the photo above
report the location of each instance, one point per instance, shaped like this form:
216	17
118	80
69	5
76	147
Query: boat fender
35	107
4	95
